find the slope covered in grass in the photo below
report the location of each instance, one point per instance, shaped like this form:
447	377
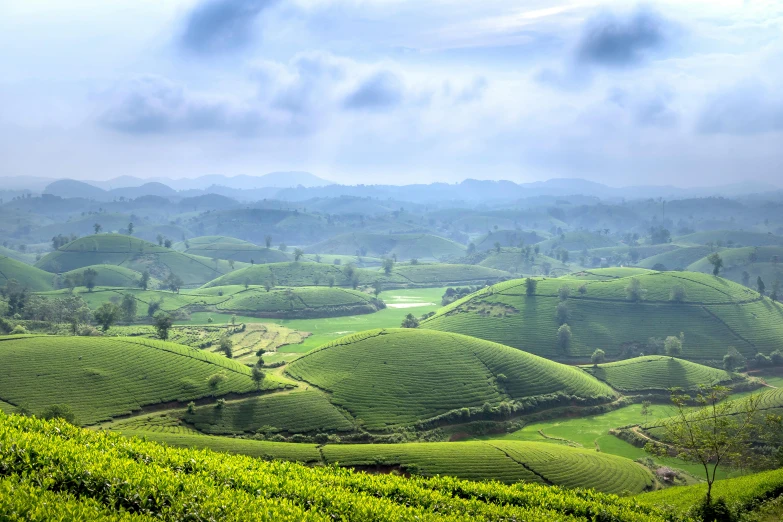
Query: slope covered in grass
656	373
28	276
678	259
765	262
222	247
738	238
403	376
135	254
111	275
713	313
53	468
515	261
404	246
104	377
300	302
577	241
506	238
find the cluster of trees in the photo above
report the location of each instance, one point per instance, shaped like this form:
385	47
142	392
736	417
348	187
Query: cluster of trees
453	294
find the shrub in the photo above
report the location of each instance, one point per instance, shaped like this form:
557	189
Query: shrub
561	313
18	330
582	289
598	356
673	345
677	294
530	286
59	411
564	337
564	292
191	407
634	290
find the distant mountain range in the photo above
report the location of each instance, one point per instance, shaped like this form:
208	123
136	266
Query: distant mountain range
302	186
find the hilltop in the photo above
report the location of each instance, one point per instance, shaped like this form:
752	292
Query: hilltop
603	312
222	247
28	276
135	254
108	275
403	246
105	377
398	376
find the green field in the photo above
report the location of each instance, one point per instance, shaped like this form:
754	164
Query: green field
737	238
577	241
104	377
506	238
713	313
222	247
112	276
55	469
403	246
656	373
678	259
135	254
513	260
28	276
397	377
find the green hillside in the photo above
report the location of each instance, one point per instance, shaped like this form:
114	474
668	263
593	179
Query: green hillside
136	254
54	469
577	241
24	257
322	274
515	261
403	376
737	238
765	262
110	275
655	373
678	259
404	246
506	238
28	276
235	250
105	377
713	313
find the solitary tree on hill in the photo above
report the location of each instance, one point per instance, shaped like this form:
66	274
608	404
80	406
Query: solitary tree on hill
377	288
673	345
167	243
298	253
106	315
775	293
745	278
130	229
162	325
598	357
388	265
97	227
717	263
635	291
227	346
646	410
144	282
88	278
268	241
257	375
160	239
129	307
410	321
760	285
564	338
530	286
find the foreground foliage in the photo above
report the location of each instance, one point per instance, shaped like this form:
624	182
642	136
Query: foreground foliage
94	474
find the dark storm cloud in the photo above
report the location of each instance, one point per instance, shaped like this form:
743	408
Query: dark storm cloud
383	90
218	26
614	41
749	108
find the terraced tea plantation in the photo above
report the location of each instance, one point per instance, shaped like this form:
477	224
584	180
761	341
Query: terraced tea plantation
101	378
26	275
657	373
403	246
397	377
109	275
41	458
618	312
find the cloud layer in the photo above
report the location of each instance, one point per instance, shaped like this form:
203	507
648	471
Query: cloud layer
219	26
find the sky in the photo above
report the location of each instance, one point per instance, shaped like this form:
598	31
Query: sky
682	92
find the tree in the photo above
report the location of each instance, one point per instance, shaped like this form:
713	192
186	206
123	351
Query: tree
471	248
144	282
167	243
214	381
355	281
564	292
497	246
733	360
775	293
677	294
162	325
267	285
388	264
160	239
258	376
598	356
717	263
646	410
153	307
530	286
59	411
760	285
410	321
561	313
173	282
129	307
298	253
97	227
673	345
227	346
88	278
106	315
268	241
377	288
231	264
718	433
564	337
283	247
634	290
330	281
745	278
130	229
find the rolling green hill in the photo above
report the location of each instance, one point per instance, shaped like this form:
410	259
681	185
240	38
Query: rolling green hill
737	238
404	246
136	254
322	274
764	262
655	373
52	469
24	257
396	377
714	313
506	238
222	247
577	241
28	276
105	377
111	275
678	259
514	260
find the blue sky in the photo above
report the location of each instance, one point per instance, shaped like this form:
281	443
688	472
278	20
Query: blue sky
394	91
